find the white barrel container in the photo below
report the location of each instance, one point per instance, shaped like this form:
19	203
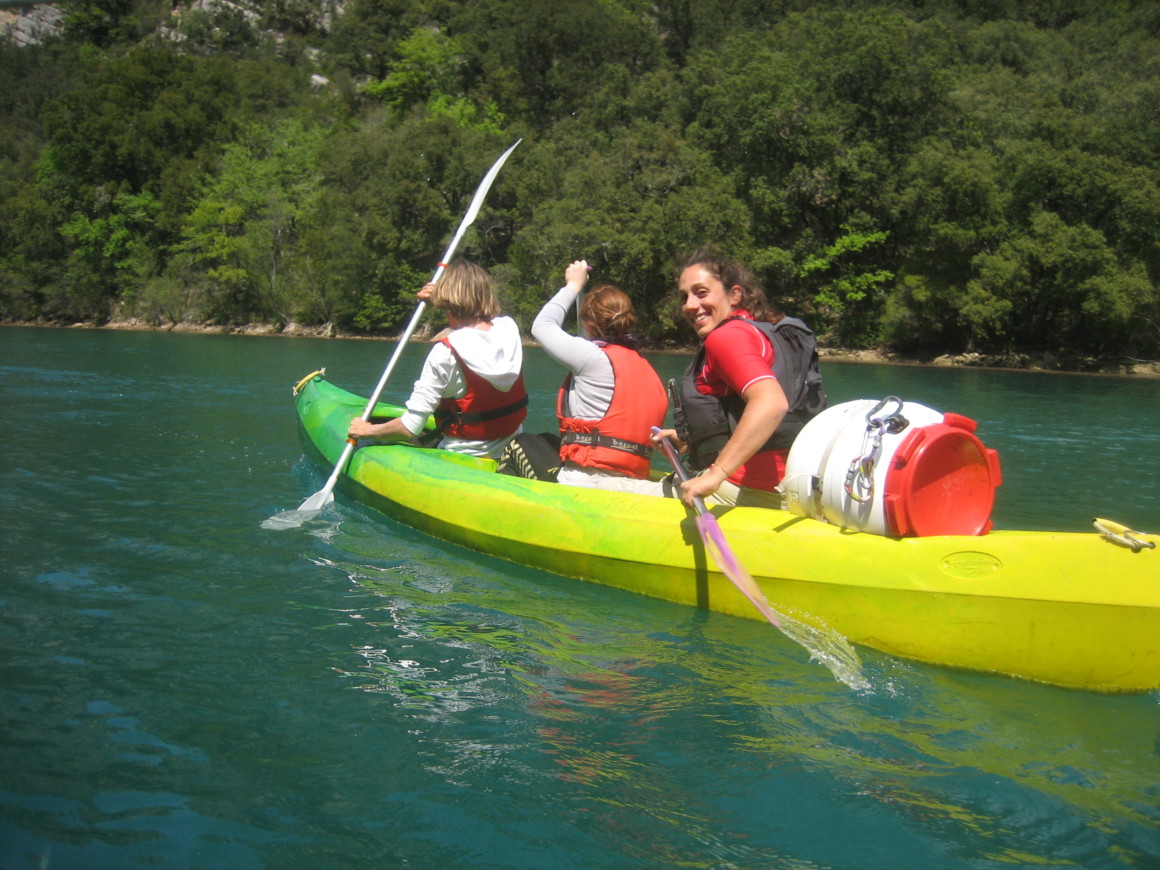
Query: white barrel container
926	474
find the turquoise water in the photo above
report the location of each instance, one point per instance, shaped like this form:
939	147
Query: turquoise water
180	688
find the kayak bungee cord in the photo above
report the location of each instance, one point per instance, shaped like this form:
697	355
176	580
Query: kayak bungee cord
1120	534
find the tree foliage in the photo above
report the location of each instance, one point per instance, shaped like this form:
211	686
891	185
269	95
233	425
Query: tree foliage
928	175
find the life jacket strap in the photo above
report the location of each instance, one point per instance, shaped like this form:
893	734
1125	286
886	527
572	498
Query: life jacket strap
445	418
595	439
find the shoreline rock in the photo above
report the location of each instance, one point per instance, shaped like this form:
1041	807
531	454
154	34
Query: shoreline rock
1040	363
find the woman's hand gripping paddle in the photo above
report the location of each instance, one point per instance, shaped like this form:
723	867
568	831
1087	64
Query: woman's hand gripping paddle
326	495
823	644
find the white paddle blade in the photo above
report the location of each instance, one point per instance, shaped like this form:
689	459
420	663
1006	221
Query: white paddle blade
317	501
289	519
484	187
325	495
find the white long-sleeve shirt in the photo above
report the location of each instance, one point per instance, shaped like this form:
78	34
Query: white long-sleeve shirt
496	354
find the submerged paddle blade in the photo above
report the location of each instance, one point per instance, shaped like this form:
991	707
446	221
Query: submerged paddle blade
325	495
317	501
718	548
831	649
305	512
292	519
823	644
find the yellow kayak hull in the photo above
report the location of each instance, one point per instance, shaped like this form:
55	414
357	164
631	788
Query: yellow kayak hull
1070	609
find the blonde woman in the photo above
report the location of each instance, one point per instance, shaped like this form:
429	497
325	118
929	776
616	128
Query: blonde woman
472	380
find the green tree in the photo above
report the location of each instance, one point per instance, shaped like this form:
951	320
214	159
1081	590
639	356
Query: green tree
428	64
366	36
541	61
396	192
953	206
632	205
820	110
244	229
31	251
851	287
141	124
109	251
1057	288
429	72
219	29
1000	160
105	23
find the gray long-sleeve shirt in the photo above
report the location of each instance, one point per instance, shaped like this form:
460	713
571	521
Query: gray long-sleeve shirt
592	375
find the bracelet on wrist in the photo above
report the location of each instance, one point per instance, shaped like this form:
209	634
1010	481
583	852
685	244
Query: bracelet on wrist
719	468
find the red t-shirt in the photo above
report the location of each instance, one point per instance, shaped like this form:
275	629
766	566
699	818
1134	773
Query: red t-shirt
738	355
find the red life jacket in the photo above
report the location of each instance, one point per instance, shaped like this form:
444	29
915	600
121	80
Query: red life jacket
620	441
484	413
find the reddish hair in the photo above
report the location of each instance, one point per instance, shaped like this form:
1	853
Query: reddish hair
607	313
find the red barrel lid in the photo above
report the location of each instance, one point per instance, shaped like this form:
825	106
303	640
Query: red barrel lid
941	481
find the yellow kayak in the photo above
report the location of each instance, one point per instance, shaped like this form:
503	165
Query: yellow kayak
1079	610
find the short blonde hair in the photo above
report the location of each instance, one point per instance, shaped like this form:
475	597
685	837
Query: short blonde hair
465	290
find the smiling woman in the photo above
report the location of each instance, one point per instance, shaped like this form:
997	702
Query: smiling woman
734	417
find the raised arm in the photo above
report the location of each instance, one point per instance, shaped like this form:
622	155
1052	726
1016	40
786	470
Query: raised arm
571	351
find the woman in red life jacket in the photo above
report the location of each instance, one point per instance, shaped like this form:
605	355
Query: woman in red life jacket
611	398
472	380
731	403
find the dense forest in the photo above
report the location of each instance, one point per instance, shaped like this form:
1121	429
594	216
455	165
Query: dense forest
925	176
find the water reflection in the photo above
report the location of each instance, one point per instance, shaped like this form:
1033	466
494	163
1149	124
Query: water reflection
627	698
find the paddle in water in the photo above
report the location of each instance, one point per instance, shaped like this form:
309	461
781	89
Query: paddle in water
825	645
316	502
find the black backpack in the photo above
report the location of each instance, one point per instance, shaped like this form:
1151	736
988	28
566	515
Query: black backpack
795	363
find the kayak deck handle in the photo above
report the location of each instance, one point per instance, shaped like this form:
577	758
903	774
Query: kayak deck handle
1120	534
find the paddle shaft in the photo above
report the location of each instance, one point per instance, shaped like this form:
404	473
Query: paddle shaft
324	495
679	468
715	543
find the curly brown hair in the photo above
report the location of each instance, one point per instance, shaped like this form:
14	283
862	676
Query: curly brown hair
732	274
